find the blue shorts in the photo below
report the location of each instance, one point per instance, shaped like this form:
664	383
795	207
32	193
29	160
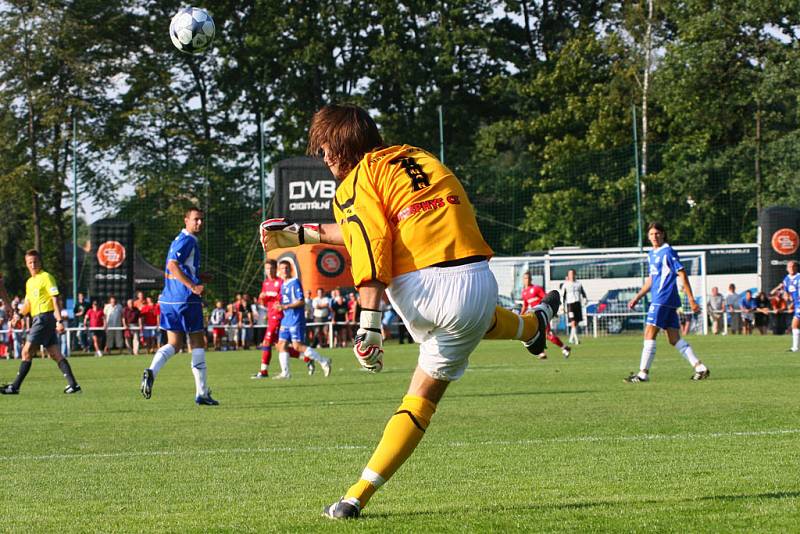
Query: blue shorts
187	317
293	333
663	317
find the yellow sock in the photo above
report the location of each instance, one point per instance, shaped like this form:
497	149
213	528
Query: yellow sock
401	436
508	325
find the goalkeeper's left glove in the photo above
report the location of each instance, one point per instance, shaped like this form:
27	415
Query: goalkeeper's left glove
368	346
282	233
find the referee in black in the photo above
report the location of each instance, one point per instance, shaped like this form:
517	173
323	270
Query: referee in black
41	301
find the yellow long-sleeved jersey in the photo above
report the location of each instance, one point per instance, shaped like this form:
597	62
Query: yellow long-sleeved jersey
400	210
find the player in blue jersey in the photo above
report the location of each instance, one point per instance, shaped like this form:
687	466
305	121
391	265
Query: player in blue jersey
182	309
293	324
665	270
791	285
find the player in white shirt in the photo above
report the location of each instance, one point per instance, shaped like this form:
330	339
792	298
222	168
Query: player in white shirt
573	297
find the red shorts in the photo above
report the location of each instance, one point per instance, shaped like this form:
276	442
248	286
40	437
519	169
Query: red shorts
271	335
219	332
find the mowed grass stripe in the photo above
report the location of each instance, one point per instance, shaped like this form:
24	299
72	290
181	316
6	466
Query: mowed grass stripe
450	445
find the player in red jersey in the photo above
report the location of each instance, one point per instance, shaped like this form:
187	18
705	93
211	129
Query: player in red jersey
532	295
269	296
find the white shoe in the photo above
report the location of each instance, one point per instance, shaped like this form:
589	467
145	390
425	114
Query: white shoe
565	351
282	376
312	368
325	363
98	354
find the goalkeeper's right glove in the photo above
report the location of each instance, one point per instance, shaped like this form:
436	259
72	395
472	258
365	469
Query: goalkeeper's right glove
283	233
368	346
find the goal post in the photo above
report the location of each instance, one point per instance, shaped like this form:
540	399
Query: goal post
609	281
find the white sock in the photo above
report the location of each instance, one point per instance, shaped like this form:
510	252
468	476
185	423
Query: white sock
160	358
199	370
264	367
313	354
573	335
648	355
283	358
686	351
795	338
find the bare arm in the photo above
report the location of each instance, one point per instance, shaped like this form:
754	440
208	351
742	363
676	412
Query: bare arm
173	268
642	292
331	234
687	288
57	313
26	308
371	294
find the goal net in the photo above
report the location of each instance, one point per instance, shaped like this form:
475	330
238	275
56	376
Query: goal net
610	282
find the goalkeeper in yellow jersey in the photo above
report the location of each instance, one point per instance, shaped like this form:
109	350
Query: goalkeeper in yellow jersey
411	232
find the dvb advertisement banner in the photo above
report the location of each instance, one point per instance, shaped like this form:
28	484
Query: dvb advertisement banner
111	260
304	190
779	229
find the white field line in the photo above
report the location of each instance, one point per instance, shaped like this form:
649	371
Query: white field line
323	448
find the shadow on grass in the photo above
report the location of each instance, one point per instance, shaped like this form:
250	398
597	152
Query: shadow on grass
587	504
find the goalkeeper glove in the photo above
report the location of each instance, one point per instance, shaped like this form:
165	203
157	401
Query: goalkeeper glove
282	233
368	346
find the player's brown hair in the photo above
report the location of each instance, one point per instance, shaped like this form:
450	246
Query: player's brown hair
33	252
349	132
658	226
190	209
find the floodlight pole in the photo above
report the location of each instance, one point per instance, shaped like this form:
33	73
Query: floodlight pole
441	134
74	211
261	170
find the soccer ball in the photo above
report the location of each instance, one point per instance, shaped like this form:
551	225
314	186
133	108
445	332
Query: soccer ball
191	30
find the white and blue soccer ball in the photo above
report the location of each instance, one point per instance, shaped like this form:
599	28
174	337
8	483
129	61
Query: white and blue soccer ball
191	30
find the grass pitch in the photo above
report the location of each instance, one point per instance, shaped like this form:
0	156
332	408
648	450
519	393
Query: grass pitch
516	445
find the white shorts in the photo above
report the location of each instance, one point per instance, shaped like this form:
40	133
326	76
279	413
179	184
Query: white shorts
447	310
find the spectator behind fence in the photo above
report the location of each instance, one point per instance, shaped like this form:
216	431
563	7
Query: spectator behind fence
748	306
732	300
114	337
779	306
353	311
322	312
19	327
96	321
341	336
217	322
246	332
132	321
79	312
716	307
149	323
762	312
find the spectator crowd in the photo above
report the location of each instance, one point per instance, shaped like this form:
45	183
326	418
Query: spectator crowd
132	327
745	313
